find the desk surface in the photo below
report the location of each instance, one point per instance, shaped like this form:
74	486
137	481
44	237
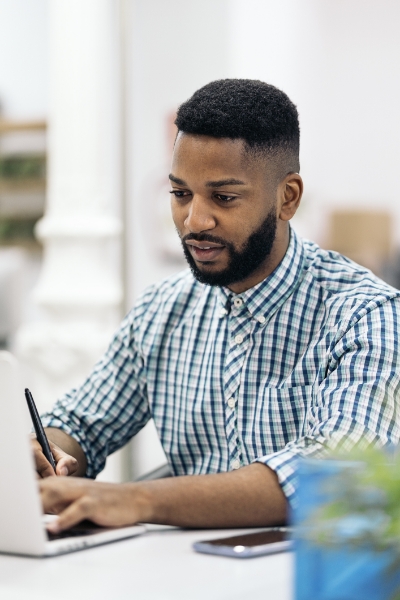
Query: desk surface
159	565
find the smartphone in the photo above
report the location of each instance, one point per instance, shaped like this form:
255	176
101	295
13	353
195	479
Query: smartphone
249	545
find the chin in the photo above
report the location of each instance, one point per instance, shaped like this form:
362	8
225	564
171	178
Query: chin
210	271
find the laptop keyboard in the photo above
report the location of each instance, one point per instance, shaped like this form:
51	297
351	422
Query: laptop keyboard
83	528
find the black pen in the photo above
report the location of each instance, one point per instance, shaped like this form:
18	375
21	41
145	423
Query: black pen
37	423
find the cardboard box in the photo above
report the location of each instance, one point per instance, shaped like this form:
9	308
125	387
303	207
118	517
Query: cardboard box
363	236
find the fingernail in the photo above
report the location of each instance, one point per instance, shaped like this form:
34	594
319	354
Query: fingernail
64	471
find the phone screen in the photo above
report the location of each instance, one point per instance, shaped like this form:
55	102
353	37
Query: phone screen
260	538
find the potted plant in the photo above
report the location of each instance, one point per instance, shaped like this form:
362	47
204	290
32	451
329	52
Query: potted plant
348	527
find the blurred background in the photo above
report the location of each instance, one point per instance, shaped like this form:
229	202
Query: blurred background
88	93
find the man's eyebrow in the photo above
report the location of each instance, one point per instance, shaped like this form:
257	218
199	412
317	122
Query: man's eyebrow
176	179
213	184
223	182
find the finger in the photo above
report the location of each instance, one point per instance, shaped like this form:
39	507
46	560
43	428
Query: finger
43	467
65	464
56	494
65	489
73	514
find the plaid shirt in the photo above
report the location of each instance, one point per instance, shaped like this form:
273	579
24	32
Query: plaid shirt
305	359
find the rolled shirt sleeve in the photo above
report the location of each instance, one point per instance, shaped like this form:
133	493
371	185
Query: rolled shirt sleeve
357	400
110	407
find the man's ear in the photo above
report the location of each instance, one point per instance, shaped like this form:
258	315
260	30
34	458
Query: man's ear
290	192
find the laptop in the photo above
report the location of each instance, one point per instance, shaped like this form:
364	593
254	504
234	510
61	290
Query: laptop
22	524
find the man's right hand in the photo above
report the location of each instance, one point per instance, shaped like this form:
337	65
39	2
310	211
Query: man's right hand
65	464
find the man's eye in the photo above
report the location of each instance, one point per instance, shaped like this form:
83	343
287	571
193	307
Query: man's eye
179	193
224	198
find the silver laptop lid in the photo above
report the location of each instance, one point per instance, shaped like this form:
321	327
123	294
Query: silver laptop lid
21	529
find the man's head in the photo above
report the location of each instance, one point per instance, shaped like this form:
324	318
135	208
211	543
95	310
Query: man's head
234	178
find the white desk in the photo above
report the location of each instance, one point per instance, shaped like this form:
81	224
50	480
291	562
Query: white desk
159	565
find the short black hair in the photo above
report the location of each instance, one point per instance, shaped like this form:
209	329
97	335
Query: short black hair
254	111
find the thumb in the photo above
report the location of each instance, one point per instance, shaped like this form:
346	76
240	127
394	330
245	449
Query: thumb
65	463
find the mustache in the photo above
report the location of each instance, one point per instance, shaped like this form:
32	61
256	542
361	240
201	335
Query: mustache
204	237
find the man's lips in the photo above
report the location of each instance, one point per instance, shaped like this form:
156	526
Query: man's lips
204	251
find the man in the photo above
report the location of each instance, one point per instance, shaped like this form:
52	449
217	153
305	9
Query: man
268	350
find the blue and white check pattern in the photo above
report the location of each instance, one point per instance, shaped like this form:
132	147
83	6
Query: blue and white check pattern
305	359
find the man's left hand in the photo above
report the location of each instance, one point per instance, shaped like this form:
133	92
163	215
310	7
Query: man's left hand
107	504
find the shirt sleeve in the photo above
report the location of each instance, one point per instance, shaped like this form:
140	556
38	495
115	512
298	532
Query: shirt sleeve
357	398
110	407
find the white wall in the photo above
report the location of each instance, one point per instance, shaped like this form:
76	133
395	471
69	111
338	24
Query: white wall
24	58
339	62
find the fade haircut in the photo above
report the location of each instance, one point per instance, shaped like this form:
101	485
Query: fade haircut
247	109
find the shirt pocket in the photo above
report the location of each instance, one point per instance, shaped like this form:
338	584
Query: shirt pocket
279	416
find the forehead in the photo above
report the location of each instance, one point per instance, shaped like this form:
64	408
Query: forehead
203	155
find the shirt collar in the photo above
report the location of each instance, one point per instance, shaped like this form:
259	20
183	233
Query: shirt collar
265	298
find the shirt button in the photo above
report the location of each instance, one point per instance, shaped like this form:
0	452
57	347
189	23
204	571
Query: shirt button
261	319
238	339
231	402
238	302
223	312
235	464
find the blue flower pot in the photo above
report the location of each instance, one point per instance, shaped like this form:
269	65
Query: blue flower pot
340	571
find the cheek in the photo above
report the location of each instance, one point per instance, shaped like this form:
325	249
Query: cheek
245	225
241	228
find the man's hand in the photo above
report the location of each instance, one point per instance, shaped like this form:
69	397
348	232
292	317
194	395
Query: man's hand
107	504
65	464
68	455
248	497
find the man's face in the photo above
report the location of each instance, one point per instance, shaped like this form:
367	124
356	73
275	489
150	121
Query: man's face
225	211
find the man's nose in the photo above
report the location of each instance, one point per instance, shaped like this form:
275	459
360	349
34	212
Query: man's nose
199	217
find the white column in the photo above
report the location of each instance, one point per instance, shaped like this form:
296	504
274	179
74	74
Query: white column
79	291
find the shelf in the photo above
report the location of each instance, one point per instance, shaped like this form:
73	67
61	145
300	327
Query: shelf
7	126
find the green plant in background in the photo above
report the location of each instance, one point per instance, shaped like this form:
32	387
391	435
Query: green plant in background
20	166
22	182
17	229
365	508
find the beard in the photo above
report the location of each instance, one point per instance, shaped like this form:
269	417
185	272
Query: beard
242	263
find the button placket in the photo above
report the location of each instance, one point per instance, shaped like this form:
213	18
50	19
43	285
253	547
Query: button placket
240	324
